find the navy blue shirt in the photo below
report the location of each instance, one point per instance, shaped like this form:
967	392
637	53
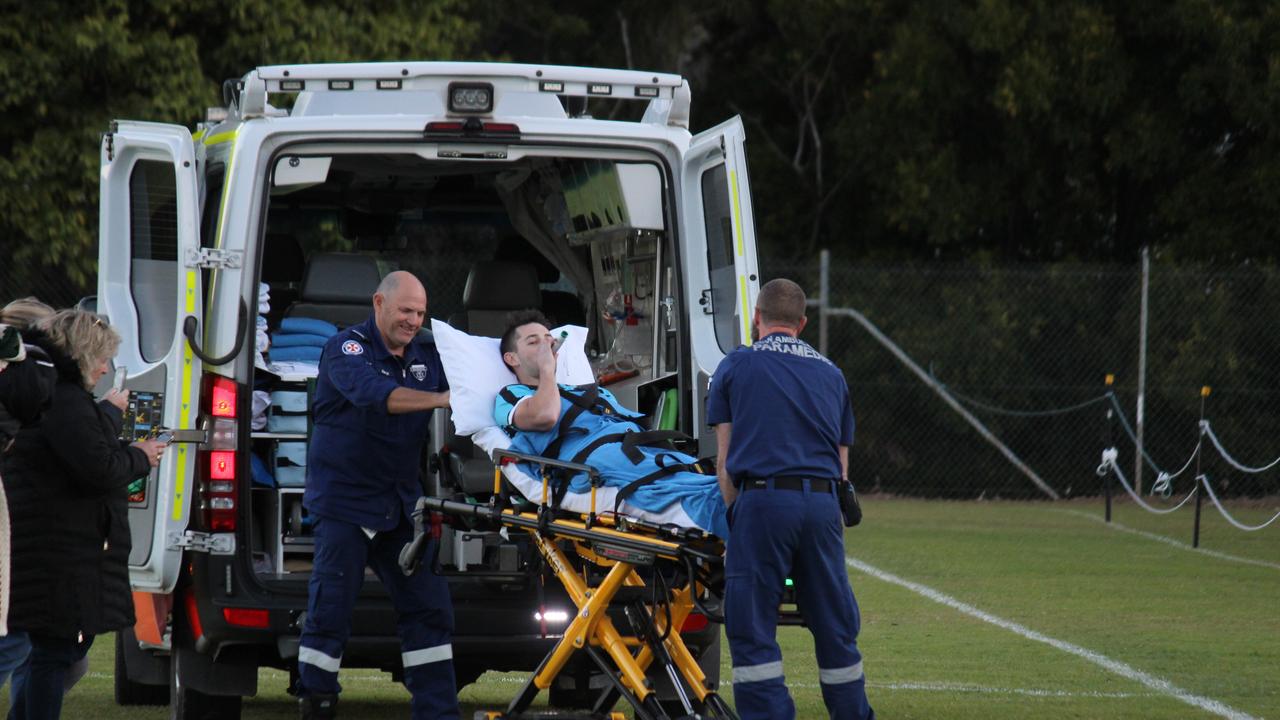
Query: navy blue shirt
363	462
789	407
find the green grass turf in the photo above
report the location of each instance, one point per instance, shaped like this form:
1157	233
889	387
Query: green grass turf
1207	625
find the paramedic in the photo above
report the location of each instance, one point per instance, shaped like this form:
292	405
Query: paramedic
378	383
783	430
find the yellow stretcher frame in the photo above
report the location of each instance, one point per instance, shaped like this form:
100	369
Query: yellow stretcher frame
619	547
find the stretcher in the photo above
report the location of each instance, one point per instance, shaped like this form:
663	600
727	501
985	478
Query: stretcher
632	581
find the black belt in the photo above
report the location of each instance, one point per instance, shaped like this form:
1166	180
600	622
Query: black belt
787	482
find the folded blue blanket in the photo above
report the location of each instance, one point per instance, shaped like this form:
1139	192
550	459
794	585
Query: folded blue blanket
308	326
288	339
308	353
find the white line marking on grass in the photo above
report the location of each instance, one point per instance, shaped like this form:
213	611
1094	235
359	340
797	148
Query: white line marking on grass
1169	541
1030	692
1125	670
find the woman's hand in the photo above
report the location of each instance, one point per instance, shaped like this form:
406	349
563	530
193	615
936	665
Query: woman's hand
119	398
153	448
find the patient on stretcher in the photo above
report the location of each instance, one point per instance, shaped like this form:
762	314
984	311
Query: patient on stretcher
587	425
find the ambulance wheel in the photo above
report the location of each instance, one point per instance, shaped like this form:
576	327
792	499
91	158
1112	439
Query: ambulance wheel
127	691
188	704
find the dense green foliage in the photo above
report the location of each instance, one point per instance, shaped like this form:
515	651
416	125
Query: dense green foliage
884	129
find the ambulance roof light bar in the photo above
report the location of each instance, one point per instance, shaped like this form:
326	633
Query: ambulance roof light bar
667	94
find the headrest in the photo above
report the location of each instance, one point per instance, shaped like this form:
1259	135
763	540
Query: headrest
501	285
341	278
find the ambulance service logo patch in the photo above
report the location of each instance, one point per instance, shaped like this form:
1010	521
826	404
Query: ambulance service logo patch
351	347
419	372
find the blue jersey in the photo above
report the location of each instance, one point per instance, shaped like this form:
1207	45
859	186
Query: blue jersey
698	494
363	462
789	407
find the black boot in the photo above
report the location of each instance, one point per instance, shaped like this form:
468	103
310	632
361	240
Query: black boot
318	707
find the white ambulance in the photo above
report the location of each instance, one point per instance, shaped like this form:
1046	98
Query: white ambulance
578	191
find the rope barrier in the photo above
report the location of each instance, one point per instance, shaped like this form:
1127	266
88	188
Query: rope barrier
997	410
1218	504
1109	462
1206	430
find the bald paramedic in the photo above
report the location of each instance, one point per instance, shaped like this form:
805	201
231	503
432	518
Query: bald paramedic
783	429
378	383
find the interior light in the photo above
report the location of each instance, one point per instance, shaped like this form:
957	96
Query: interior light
554	86
599	89
470	97
552	616
292	85
341	84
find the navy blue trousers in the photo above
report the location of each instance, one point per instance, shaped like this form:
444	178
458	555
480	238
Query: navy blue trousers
773	535
424	615
39	696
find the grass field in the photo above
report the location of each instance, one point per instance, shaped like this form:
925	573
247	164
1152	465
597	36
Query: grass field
989	610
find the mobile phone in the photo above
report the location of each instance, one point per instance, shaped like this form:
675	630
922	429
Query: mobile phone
117	383
164	437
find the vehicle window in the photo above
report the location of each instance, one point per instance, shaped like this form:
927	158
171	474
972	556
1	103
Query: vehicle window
153	242
717	214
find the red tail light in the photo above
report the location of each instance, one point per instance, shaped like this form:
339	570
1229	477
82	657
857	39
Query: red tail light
471	128
694	623
217	467
246	617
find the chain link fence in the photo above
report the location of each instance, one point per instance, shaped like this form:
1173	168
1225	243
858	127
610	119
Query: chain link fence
1026	352
50	284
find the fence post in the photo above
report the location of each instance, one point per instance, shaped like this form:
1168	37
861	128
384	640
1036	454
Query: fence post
1142	369
1201	480
824	298
1109	441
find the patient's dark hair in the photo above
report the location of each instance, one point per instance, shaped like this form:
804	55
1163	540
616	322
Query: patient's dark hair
515	321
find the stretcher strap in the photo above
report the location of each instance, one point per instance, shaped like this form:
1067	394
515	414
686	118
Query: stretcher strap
664	470
631	442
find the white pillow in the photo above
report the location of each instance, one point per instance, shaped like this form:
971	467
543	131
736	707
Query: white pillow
473	365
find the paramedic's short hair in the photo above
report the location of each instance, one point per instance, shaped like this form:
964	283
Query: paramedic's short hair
25	312
84	337
515	321
781	302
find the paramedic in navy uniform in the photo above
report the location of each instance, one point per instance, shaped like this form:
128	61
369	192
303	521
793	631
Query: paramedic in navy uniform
783	430
378	383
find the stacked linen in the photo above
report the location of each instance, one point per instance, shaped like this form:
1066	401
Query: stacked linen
301	340
260	340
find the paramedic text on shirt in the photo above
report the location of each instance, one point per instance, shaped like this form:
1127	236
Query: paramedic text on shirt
783	429
377	385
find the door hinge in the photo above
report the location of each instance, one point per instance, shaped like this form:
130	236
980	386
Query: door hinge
213	543
705	301
214	258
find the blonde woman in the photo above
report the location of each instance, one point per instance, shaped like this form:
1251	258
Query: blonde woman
66	481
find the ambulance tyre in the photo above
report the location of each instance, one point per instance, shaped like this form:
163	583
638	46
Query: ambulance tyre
129	692
186	703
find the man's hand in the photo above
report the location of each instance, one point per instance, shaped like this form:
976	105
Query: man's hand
405	400
724	432
546	362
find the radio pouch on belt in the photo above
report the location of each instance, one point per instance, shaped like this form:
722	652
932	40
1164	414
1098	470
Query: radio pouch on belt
849	506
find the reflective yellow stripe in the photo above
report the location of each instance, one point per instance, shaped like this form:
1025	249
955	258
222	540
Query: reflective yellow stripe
737	210
741	263
198	134
184	408
221	137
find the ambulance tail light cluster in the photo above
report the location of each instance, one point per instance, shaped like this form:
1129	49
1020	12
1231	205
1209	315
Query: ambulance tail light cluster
217	468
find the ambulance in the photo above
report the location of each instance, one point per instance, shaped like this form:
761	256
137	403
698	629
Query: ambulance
578	191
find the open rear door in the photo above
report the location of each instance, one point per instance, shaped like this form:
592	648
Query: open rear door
149	227
721	250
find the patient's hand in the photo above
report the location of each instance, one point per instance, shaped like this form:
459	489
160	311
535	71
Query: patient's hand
546	361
